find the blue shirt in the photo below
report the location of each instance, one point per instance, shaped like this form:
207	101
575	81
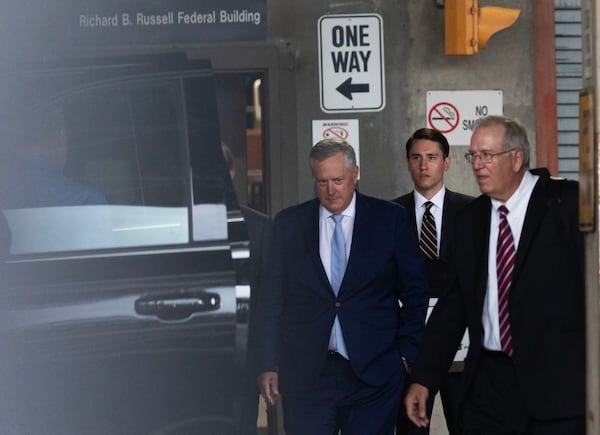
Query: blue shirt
36	182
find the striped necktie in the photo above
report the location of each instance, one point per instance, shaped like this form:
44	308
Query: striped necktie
505	263
428	239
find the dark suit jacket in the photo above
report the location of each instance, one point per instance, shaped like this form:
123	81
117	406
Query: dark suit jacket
298	306
260	228
437	270
546	303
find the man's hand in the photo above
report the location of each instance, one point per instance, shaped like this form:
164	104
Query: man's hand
268	382
414	401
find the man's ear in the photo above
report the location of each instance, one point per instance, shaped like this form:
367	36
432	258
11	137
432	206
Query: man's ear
517	159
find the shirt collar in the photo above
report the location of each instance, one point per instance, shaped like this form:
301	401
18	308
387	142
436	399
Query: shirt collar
350	211
527	184
437	199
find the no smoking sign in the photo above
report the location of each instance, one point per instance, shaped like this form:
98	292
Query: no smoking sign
444	117
454	113
338	133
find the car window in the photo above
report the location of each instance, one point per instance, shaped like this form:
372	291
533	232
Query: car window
113	166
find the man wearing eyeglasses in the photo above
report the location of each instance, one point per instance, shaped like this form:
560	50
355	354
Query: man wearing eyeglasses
518	287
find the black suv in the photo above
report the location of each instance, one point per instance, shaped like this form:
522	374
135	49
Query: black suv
118	294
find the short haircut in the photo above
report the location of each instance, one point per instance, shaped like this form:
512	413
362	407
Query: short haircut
329	147
432	135
515	135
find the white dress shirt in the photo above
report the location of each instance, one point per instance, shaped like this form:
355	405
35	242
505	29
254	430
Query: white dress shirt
326	228
437	210
517	207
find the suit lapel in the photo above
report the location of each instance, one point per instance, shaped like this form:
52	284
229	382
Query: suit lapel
309	237
447	223
412	213
481	238
536	209
361	237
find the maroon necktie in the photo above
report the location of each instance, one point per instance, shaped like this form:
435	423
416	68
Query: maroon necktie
505	263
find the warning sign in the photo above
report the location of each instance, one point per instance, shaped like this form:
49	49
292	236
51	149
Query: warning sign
454	112
337	129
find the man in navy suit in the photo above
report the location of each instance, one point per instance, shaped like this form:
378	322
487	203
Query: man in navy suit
337	353
428	159
518	286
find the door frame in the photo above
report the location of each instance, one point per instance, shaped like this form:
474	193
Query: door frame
280	168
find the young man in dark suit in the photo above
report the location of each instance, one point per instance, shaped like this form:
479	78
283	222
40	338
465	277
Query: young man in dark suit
518	287
428	159
333	341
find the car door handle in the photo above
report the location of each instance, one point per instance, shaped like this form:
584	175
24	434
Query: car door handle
177	306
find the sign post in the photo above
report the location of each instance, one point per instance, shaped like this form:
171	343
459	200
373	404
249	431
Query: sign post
351	64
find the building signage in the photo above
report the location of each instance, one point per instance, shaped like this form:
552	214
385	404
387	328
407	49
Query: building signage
351	63
65	25
96	22
338	129
454	112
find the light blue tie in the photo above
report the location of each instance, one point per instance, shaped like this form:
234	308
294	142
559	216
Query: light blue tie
338	254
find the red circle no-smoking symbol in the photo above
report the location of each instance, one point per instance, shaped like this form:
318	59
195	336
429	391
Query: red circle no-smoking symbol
336	133
443	117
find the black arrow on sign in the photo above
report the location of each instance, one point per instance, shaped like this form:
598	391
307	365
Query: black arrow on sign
347	88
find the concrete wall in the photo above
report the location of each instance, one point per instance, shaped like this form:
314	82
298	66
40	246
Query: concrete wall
415	63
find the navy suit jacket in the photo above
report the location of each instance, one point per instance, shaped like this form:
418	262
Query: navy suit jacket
297	308
438	270
546	303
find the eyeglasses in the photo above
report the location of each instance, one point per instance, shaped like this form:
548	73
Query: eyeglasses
485	156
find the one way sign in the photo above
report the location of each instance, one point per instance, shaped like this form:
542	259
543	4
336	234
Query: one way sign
351	63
